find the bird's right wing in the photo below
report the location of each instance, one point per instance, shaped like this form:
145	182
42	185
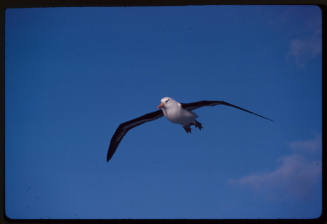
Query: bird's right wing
196	105
123	128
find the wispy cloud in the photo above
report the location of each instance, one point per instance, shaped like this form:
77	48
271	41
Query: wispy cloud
305	43
303	50
309	145
295	174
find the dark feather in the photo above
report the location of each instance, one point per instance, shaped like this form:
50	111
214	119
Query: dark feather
126	126
196	105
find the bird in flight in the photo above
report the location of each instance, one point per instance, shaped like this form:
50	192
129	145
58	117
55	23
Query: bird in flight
179	113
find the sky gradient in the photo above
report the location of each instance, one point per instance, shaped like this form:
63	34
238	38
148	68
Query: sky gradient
72	75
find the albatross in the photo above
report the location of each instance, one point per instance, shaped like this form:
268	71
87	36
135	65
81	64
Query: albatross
179	113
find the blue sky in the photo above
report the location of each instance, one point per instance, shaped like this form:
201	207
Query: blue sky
72	75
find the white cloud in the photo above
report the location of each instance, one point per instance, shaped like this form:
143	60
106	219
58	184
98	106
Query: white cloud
295	175
304	50
310	145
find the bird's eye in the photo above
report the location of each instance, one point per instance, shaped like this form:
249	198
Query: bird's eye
167	101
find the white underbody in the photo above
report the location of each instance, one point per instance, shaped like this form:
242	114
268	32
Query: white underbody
177	114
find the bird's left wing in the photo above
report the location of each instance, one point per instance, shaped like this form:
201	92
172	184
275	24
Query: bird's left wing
196	105
123	128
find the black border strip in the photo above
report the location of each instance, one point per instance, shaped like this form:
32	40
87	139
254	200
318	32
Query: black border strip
86	3
79	3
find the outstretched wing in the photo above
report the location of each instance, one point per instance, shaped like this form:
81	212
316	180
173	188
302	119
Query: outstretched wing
126	126
196	105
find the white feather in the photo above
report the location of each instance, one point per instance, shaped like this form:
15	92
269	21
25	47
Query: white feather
175	113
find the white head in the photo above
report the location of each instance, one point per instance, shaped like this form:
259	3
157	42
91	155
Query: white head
166	102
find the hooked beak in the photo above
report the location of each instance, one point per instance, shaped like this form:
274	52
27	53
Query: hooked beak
160	105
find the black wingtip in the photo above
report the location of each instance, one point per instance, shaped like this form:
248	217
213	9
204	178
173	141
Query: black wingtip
271	120
111	150
109	157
